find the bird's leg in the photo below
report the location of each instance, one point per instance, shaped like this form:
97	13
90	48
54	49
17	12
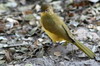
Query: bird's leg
72	52
65	44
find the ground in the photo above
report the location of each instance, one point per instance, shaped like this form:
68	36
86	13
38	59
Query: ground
24	43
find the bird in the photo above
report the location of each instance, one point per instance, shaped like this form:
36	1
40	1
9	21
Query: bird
58	31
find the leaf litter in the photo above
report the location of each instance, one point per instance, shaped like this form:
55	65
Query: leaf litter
23	43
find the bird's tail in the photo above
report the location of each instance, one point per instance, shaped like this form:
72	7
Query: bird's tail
84	49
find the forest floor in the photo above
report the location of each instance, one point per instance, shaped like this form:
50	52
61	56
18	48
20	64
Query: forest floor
24	43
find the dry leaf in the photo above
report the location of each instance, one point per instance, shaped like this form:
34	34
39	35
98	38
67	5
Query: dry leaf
57	53
2	26
8	55
27	12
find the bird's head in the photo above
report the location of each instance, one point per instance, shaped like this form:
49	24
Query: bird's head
46	8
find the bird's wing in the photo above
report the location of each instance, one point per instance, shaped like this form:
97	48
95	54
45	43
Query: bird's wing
64	26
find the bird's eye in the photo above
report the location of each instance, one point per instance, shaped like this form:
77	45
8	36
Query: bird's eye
46	10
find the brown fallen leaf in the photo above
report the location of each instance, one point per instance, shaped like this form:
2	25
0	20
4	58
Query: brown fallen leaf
2	26
98	23
80	3
27	12
57	53
8	55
